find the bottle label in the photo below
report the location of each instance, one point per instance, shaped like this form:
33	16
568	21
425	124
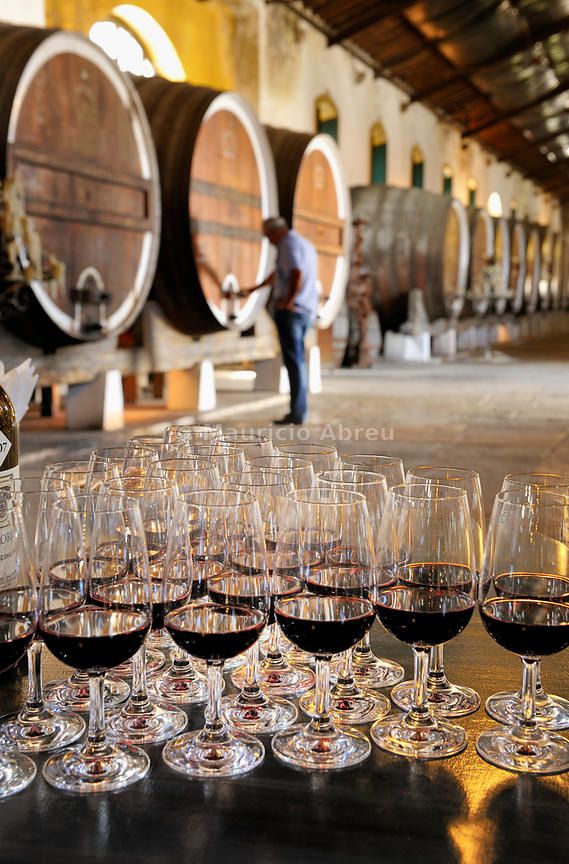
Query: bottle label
5	447
8	558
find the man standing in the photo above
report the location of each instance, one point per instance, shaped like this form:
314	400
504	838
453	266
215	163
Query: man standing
294	301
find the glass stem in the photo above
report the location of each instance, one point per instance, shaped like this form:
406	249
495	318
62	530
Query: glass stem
181	664
273	652
214	725
321	721
529	683
540	694
139	697
437	679
96	743
362	651
419	714
34	702
251	692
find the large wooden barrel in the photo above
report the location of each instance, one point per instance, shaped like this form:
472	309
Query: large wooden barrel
413	239
555	277
218	184
548	285
481	272
517	264
502	264
533	268
73	130
314	199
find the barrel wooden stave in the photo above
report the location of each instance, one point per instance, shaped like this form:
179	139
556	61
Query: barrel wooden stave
72	126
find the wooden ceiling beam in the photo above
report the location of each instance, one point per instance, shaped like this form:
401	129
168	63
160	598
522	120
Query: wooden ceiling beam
373	16
504	116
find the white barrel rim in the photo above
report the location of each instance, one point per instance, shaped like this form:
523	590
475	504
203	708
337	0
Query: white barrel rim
326	145
59	43
518	301
455	305
502	288
247	313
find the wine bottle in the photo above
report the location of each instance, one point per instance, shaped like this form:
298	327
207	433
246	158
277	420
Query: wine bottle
8	440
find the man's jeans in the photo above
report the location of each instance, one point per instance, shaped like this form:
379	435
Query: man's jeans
292	328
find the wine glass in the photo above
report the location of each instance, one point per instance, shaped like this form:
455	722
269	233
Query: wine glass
79	475
251	445
552	712
157	443
322	626
228	458
324	457
86	483
424	596
336	537
143	720
390	466
188	434
300	471
189	474
230	521
523	599
93	635
369	671
446	699
185	580
121	461
253	710
37	728
18	612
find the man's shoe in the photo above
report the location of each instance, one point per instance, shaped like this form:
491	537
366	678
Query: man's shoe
288	421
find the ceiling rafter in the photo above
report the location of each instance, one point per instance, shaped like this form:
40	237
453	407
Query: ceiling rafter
504	116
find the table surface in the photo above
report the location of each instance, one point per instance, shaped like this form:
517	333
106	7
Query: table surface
387	810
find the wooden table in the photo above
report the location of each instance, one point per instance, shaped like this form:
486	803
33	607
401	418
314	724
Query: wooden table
387	810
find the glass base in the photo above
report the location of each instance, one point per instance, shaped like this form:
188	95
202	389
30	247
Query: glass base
350	705
435	740
261	718
448	701
551	712
64	693
116	766
155	661
278	679
512	749
376	672
179	689
47	731
16	773
197	755
300	747
156	723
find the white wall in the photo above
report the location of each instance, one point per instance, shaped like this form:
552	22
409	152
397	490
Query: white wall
296	66
31	12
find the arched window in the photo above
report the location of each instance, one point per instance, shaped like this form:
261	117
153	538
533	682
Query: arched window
327	116
447	180
417	167
472	186
138	43
378	143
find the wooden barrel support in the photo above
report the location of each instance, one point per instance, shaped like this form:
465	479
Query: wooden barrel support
73	131
314	199
413	239
218	185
